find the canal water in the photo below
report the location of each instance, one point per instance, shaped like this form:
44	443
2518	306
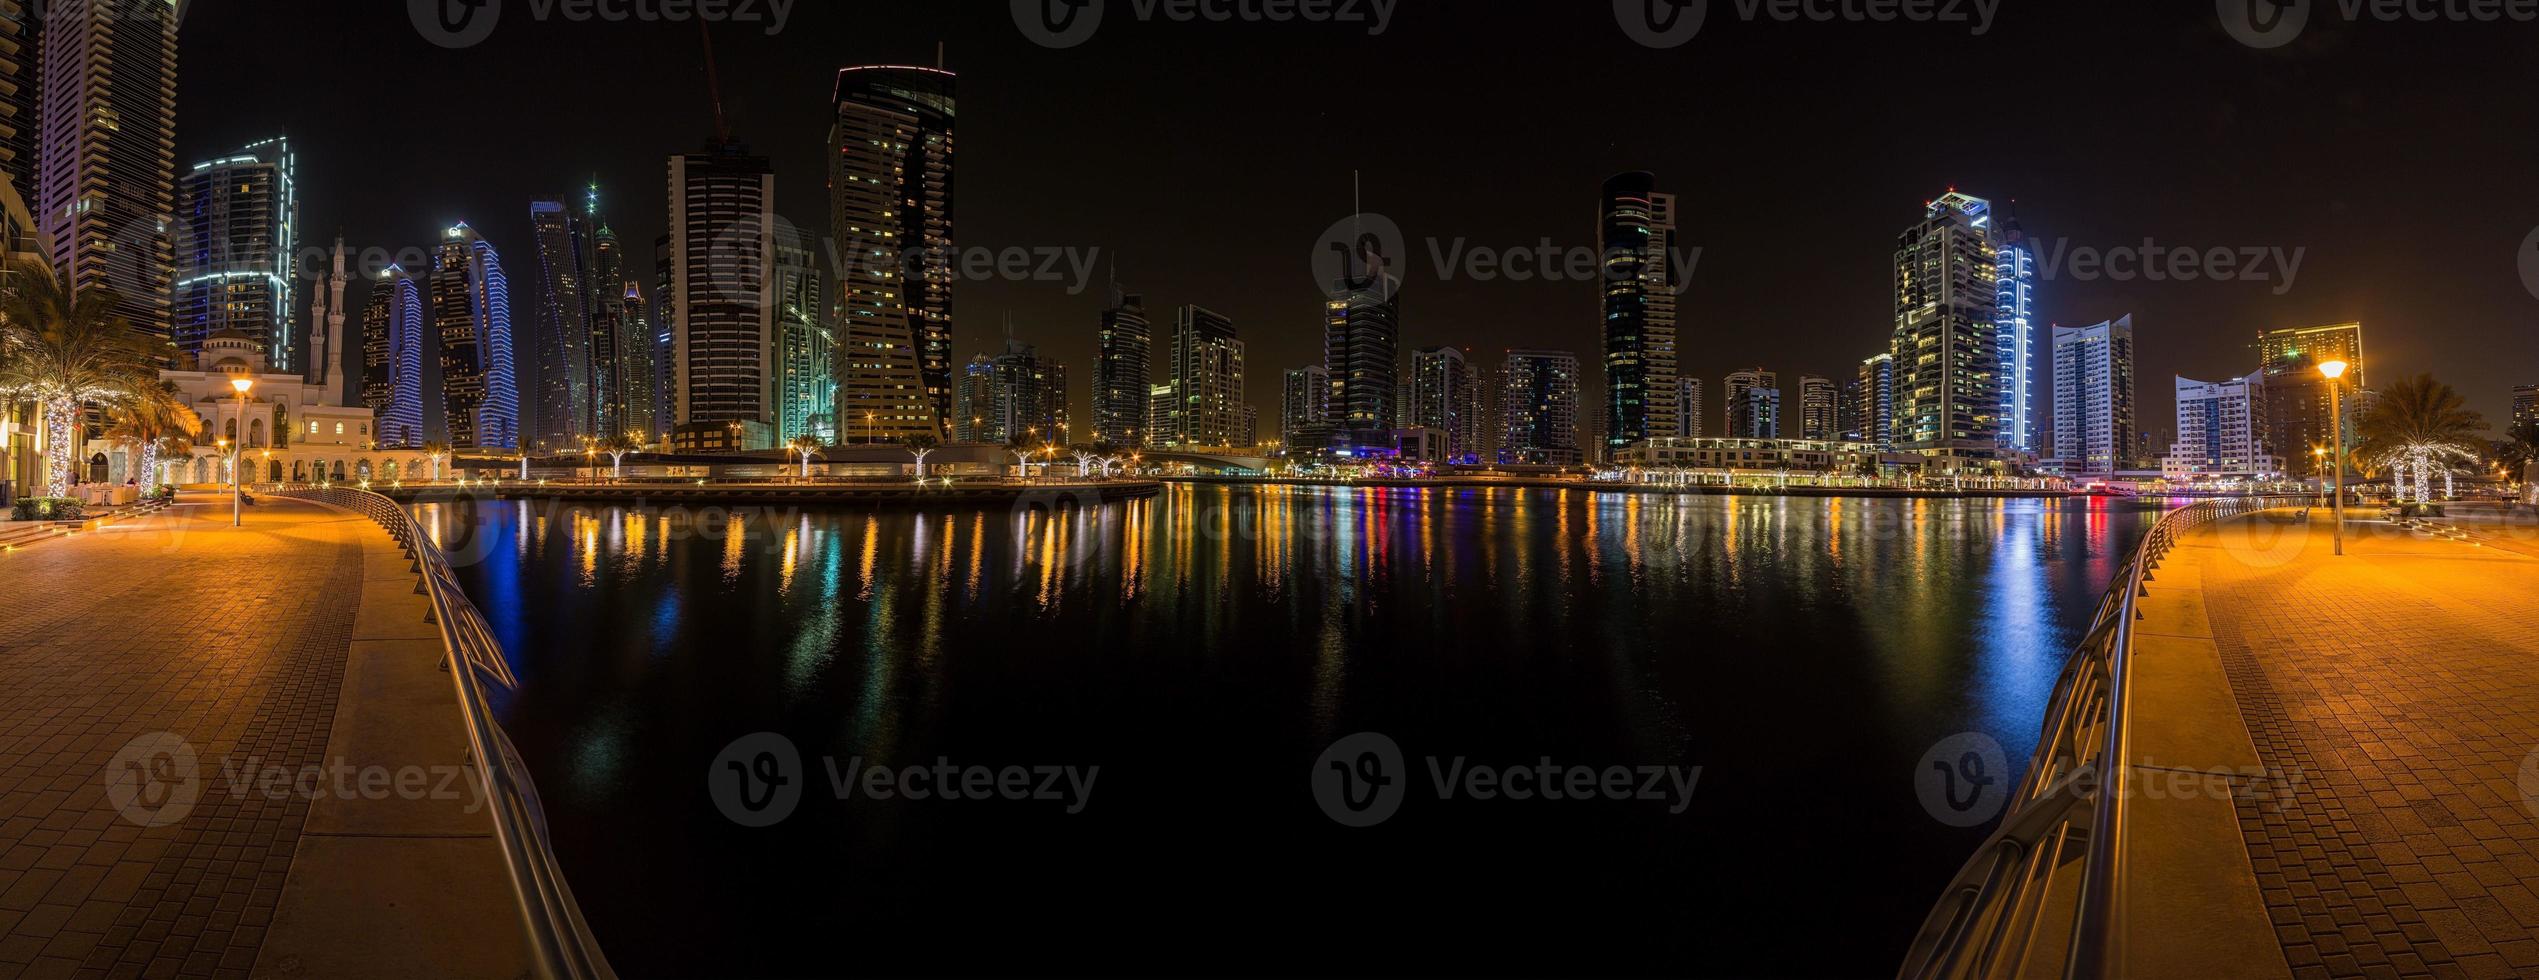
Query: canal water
1795	661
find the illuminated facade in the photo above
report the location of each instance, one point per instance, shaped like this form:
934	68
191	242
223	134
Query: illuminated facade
1208	380
561	375
471	310
1361	347
106	186
236	239
1690	397
2298	398
2015	326
1876	408
723	268
289	429
1538	409
1439	377
2525	405
1637	240
1817	417
1740	403
392	339
806	387
891	207
1947	349
1304	409
2094	422
2221	431
1123	376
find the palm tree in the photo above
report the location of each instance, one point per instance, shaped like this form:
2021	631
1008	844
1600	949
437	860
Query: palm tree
806	447
2521	449
921	446
157	422
2416	426
617	446
65	350
436	451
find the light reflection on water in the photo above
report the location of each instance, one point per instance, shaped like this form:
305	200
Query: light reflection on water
1206	645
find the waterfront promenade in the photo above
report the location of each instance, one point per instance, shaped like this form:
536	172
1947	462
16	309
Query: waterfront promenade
177	699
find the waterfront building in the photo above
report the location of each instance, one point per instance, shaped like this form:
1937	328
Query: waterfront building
1689	399
2094	425
1361	345
394	331
561	376
1017	395
1123	372
237	234
1947	352
665	345
723	269
1163	416
1437	385
2014	320
1538	409
604	286
105	191
2221	431
1305	409
1637	239
891	206
974	401
638	363
806	388
1877	400
471	312
1739	403
1479	437
1817	398
1208	382
287	427
1754	455
2298	398
1758	416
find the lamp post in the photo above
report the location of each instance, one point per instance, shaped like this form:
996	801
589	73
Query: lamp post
238	458
2335	372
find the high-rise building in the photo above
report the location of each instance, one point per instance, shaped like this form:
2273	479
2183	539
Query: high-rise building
1479	437
1305	409
2298	399
1439	376
1817	398
1847	403
393	334
723	274
2094	397
806	386
1637	236
638	363
106	190
1362	335
1690	397
2014	321
1742	422
1123	374
2525	405
236	237
1947	349
1016	396
471	310
1163	416
1538	409
666	397
21	72
2221	429
974	401
1757	415
604	292
561	378
890	199
1207	373
1877	400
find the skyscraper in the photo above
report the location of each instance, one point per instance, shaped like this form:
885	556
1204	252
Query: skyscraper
471	309
1947	349
722	268
666	397
236	236
1207	378
1742	422
1304	409
1362	336
1123	375
806	386
2300	350
2221	428
1538	409
604	299
2298	399
1439	376
2525	405
1689	399
2014	320
890	197
1877	400
21	72
1757	415
562	374
393	336
1015	396
1816	400
106	191
1479	438
638	362
1637	235
2094	397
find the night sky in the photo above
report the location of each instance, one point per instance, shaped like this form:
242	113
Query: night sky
1208	159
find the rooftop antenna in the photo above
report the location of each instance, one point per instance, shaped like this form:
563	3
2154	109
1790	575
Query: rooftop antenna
714	85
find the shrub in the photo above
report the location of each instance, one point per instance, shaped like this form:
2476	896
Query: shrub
47	509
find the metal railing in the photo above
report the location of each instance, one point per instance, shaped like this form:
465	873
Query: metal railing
2044	896
560	944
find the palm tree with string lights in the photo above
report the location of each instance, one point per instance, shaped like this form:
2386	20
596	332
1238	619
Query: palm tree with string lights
63	348
806	446
2414	428
156	422
618	446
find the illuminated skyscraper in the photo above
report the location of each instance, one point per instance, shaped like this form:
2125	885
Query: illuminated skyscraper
2525	405
1438	378
1690	413
1947	349
1208	379
106	191
560	327
1304	409
393	326
1123	376
2298	400
1637	232
638	362
891	196
2014	319
604	300
1816	398
471	309
2094	426
1361	347
723	279
1742	422
1538	409
236	237
806	388
2221	428
1479	398
21	71
1877	400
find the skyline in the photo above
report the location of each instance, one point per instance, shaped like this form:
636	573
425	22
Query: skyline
1100	178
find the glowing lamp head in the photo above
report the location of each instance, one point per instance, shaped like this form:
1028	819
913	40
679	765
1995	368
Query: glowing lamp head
2334	370
242	384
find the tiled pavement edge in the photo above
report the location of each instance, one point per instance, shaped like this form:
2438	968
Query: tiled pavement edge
2395	694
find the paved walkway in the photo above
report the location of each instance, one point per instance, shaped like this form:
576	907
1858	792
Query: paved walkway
2394	694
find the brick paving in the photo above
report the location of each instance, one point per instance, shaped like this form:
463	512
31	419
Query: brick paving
2397	690
233	641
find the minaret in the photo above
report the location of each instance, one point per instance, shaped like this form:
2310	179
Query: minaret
326	341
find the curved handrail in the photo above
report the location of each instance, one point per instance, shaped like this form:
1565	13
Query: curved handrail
1995	914
560	942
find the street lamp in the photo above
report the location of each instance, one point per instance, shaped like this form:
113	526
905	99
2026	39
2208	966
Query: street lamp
2335	372
238	459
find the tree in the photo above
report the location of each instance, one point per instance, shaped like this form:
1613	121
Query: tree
156	422
2416	426
805	447
436	451
921	446
65	350
2521	449
617	446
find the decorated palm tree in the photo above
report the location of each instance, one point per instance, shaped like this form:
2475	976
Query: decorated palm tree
436	452
921	446
155	422
2416	427
65	351
807	447
617	447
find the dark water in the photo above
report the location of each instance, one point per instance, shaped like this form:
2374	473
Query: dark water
1204	649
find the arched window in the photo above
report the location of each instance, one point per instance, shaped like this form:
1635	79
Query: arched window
363	470
229	429
255	434
273	471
